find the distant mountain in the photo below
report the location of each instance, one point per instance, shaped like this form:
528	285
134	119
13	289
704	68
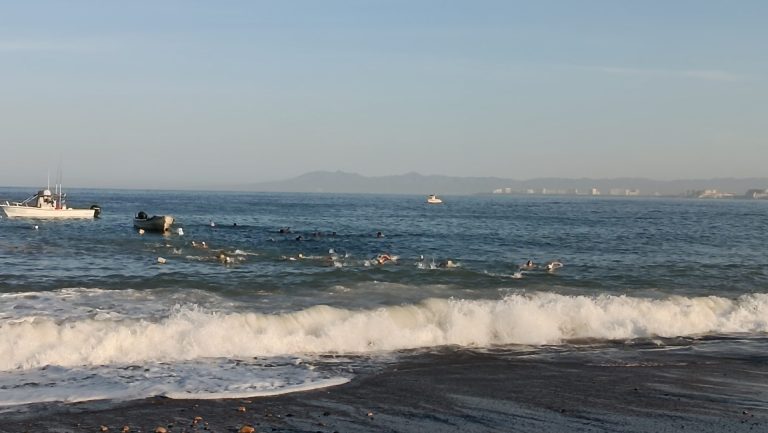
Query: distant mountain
415	183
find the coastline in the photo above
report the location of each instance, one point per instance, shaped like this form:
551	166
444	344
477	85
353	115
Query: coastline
664	390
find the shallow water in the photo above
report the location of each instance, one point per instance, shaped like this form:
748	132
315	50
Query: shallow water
87	312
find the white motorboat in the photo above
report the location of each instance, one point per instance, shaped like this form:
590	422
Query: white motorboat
156	223
432	199
45	204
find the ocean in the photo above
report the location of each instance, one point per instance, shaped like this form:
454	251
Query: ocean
299	300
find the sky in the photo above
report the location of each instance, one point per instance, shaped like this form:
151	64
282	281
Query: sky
186	94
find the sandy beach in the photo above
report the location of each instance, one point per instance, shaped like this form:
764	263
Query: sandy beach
464	392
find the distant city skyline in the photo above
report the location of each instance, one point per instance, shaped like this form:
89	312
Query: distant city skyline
189	94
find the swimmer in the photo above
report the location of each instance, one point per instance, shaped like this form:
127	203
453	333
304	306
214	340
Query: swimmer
383	258
448	264
223	258
528	265
379	234
551	266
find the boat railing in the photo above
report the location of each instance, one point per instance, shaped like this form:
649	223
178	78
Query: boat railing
27	200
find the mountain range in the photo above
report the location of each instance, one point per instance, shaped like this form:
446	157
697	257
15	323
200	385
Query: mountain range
415	183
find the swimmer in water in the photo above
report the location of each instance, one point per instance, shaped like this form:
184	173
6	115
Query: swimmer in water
551	266
383	258
447	264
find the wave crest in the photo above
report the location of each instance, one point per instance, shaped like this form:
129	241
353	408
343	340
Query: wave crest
190	332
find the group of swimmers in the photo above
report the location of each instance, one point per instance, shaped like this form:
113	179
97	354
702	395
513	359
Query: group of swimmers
380	259
549	267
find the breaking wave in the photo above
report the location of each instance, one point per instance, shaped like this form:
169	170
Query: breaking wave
189	332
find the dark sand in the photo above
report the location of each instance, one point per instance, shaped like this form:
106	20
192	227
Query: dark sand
466	392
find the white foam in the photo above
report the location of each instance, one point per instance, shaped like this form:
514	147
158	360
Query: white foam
202	379
188	332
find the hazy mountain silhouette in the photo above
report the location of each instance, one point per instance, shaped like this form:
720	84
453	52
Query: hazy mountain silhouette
415	183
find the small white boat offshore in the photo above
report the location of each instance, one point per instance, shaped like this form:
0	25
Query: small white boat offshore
432	199
156	223
45	204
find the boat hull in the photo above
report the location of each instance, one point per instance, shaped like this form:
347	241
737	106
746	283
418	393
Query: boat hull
433	199
13	211
157	223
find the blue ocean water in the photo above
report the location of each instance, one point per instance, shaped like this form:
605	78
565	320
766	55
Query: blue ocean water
298	299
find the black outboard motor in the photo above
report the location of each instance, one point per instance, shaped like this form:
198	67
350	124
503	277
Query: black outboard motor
97	210
141	215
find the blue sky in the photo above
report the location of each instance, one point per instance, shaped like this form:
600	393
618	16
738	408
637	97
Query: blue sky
173	94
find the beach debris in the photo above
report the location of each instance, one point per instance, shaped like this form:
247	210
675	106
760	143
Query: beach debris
247	428
161	429
241	408
161	260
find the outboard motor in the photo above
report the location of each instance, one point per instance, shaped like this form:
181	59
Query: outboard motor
141	215
97	210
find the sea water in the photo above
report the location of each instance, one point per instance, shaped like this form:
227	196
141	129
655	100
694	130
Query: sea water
286	293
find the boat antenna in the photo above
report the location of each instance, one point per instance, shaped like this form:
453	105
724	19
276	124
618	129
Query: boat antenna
59	204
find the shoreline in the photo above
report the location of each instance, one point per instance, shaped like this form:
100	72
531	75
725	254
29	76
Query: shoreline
463	392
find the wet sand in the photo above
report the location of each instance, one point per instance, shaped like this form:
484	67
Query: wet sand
466	392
